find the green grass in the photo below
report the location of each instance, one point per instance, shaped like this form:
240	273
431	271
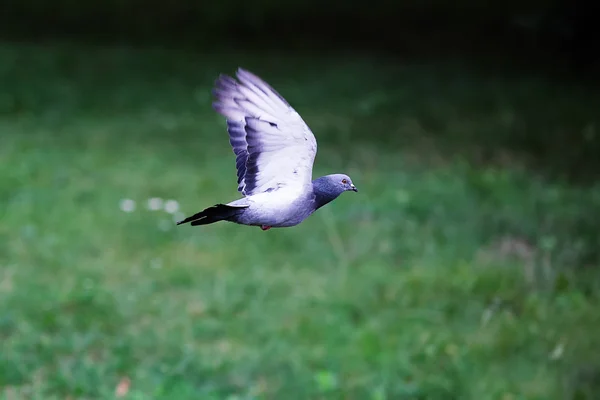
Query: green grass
440	279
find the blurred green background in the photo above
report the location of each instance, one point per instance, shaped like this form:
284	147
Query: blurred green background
465	268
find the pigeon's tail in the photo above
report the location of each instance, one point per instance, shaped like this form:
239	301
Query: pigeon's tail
216	213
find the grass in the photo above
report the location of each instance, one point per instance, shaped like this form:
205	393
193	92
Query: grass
440	279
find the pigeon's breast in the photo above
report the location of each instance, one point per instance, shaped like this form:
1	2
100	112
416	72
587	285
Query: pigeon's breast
281	208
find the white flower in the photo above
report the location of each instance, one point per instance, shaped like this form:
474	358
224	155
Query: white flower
171	206
557	352
127	205
155	203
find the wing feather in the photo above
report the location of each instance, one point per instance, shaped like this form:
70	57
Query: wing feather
274	147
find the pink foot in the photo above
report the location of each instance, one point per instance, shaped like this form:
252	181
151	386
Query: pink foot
265	227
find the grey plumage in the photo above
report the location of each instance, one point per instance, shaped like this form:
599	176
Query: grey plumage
275	151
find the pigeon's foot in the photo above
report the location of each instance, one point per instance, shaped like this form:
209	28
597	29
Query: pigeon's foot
265	227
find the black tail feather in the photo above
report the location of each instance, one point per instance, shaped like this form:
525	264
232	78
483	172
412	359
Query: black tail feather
216	213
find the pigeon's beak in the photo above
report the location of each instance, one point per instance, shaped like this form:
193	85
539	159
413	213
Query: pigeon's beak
353	188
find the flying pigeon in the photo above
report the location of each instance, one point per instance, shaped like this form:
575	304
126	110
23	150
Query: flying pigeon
275	151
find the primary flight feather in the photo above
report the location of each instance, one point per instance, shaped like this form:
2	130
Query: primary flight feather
275	151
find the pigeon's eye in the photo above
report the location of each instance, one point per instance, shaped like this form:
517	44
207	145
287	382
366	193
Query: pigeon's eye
344	181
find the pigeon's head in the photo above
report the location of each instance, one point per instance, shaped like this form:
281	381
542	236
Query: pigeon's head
337	184
329	187
344	182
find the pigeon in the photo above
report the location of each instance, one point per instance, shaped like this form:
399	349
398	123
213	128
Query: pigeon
275	151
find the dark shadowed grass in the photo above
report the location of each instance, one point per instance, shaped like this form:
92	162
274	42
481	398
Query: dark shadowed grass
438	280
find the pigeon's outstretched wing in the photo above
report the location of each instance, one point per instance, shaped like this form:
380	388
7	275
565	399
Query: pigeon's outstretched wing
274	147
